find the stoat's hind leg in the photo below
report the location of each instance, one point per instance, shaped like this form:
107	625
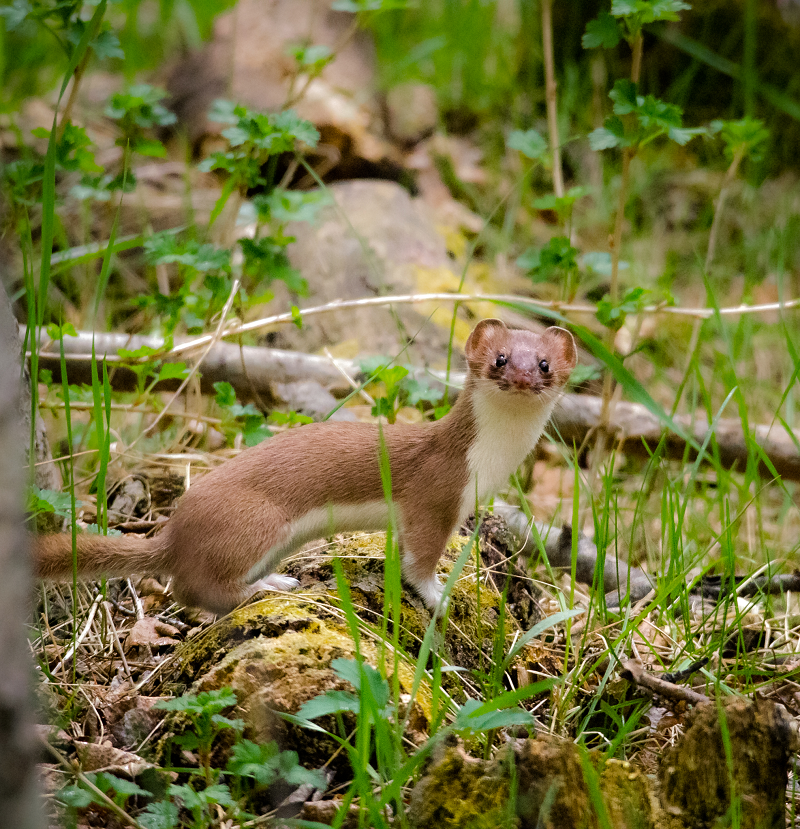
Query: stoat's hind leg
224	597
216	597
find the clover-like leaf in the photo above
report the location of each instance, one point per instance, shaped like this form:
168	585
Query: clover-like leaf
602	32
529	142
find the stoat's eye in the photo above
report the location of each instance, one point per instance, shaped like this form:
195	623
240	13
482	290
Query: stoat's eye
544	366
500	361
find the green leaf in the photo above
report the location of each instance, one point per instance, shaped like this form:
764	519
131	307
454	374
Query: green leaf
159	815
248	759
188	741
352	671
48	500
605	138
57	332
290	205
313	57
173	371
105	782
107	45
603	32
134	355
226	722
289	419
624	97
150	147
75	797
266	259
648	11
226	394
331	702
468	718
16	14
599	262
166	247
530	260
558	256
223	112
206	702
420	391
745	136
216	795
530	143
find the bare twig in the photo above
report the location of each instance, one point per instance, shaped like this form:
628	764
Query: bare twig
80	347
550	94
98	793
723	194
83	634
634	671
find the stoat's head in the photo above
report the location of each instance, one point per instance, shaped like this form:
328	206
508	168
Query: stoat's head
520	362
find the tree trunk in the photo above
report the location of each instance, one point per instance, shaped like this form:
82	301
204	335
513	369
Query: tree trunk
19	800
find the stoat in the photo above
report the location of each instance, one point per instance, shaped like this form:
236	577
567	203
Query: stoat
236	524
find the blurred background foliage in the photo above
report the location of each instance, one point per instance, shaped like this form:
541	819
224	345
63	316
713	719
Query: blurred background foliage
723	59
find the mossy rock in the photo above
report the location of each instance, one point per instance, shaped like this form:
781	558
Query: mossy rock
474	612
285	663
548	777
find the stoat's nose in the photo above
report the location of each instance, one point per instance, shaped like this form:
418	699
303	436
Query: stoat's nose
525	378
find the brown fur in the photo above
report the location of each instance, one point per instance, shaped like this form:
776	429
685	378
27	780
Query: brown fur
227	522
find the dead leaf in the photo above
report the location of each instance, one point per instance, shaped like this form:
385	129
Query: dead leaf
103	757
152	632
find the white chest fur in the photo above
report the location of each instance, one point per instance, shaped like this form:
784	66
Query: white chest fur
508	428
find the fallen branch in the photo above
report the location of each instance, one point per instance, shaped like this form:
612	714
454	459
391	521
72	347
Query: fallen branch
620	580
252	369
638	431
246	368
634	671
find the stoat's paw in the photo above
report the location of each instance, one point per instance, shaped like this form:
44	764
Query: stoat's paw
431	591
275	581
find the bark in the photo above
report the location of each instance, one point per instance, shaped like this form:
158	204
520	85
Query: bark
46	474
19	801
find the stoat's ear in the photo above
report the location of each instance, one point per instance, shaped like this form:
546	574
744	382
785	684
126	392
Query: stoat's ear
483	333
564	342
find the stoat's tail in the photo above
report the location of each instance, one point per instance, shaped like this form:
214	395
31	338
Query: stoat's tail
113	555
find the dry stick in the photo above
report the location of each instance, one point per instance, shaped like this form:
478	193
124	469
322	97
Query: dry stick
83	634
137	602
730	174
213	338
550	94
616	244
365	396
117	643
107	342
634	671
411	299
293	97
98	793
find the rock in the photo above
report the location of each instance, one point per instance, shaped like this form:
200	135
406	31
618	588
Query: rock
411	112
249	61
286	664
375	240
696	774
